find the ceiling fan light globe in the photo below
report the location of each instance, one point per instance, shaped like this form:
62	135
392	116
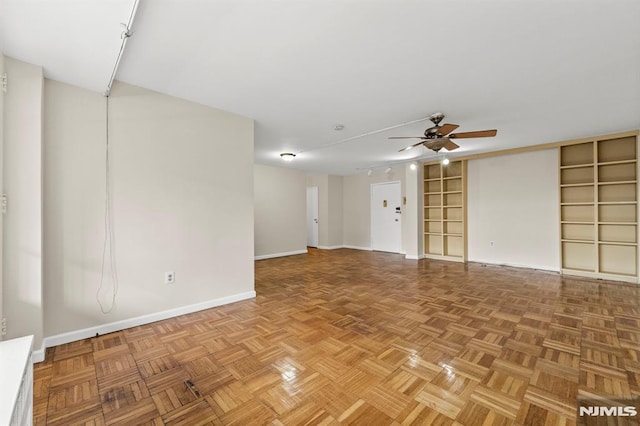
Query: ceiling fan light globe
287	156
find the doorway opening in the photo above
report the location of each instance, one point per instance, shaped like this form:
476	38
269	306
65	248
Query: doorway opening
312	216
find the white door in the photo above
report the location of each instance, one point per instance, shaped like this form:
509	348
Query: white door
386	217
312	216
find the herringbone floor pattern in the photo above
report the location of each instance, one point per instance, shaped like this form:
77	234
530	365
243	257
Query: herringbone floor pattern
361	338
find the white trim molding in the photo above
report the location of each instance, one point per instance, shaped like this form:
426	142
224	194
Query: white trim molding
357	248
288	253
72	336
414	257
545	268
330	247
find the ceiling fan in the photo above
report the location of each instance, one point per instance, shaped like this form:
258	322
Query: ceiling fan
438	137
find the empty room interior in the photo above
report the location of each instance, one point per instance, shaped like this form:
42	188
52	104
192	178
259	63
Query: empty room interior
287	212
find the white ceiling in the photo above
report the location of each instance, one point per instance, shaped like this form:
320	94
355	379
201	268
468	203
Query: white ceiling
537	70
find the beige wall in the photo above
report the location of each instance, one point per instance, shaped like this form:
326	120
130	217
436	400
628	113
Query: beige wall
182	201
335	209
357	205
412	224
513	201
280	211
22	169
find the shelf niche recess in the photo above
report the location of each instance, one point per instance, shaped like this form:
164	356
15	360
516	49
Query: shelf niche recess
444	211
599	208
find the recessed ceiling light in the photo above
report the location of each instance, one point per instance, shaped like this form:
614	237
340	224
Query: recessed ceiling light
338	127
287	156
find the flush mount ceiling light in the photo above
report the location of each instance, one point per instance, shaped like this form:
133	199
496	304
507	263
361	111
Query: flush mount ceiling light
413	166
287	156
445	161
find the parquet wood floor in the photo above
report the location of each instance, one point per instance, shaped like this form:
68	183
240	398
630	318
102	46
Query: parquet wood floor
361	338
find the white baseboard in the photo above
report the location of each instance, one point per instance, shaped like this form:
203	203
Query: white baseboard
37	356
330	247
72	336
357	247
414	257
600	276
518	265
288	253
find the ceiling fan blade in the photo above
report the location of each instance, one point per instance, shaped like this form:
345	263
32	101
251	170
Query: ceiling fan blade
406	137
411	146
478	134
447	128
450	146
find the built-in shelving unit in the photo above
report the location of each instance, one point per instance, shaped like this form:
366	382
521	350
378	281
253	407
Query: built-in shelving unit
445	211
16	382
599	208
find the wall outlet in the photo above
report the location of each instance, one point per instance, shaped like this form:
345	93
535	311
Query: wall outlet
3	327
169	277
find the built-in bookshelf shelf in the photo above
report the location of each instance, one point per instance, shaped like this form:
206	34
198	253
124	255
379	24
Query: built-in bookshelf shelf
444	211
599	208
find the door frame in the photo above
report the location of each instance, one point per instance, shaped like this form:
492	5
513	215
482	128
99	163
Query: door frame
1	192
312	219
399	183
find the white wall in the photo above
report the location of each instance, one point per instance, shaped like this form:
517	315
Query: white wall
182	201
513	201
280	211
357	205
22	169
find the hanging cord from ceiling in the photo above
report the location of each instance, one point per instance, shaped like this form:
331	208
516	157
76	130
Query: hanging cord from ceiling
124	36
108	244
373	132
